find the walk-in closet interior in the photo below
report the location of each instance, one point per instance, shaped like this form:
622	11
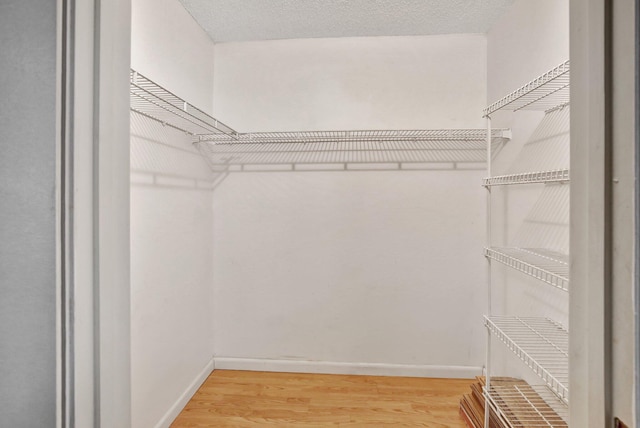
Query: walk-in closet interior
371	188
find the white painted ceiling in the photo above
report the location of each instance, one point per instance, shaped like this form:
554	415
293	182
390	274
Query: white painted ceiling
243	20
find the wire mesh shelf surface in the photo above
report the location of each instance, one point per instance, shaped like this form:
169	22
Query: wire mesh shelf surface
540	343
545	265
525	406
416	146
155	102
363	136
543	93
553	176
229	151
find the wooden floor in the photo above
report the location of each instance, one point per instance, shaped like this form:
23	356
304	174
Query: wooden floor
246	399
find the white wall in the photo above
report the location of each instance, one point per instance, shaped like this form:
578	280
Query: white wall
171	221
531	38
351	83
528	40
170	48
368	272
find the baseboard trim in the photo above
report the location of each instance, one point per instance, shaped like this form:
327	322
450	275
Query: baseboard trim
182	401
326	367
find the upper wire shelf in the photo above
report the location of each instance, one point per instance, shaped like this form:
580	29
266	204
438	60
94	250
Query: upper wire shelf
227	150
521	405
553	176
456	146
545	265
543	93
152	100
541	344
369	136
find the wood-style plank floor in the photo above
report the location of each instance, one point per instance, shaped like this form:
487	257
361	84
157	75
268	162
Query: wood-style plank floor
245	399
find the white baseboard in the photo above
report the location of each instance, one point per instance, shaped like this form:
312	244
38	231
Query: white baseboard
182	401
325	367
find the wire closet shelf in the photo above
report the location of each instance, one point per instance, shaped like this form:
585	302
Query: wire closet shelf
364	136
545	265
373	146
224	148
520	405
542	344
155	102
546	92
552	176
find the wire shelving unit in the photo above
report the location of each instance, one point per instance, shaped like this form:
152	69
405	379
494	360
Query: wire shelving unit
541	343
545	265
552	176
526	406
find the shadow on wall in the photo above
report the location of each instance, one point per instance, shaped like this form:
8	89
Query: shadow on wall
547	223
164	157
548	146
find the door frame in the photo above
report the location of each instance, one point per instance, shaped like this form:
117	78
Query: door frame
603	322
95	381
98	209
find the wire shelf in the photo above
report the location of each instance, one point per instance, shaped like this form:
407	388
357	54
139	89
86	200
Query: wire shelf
553	176
418	146
521	405
230	151
155	102
545	265
541	344
363	136
543	93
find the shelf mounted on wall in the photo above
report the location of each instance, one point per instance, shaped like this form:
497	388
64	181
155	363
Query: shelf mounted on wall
526	406
544	265
542	344
351	150
552	176
229	151
155	102
544	93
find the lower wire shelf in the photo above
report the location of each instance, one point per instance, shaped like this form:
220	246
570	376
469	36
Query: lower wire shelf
545	265
552	176
520	405
540	343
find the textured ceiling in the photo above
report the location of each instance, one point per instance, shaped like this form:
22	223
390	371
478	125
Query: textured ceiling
242	20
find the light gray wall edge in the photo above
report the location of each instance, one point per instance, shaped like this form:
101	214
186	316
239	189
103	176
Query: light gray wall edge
637	216
28	213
